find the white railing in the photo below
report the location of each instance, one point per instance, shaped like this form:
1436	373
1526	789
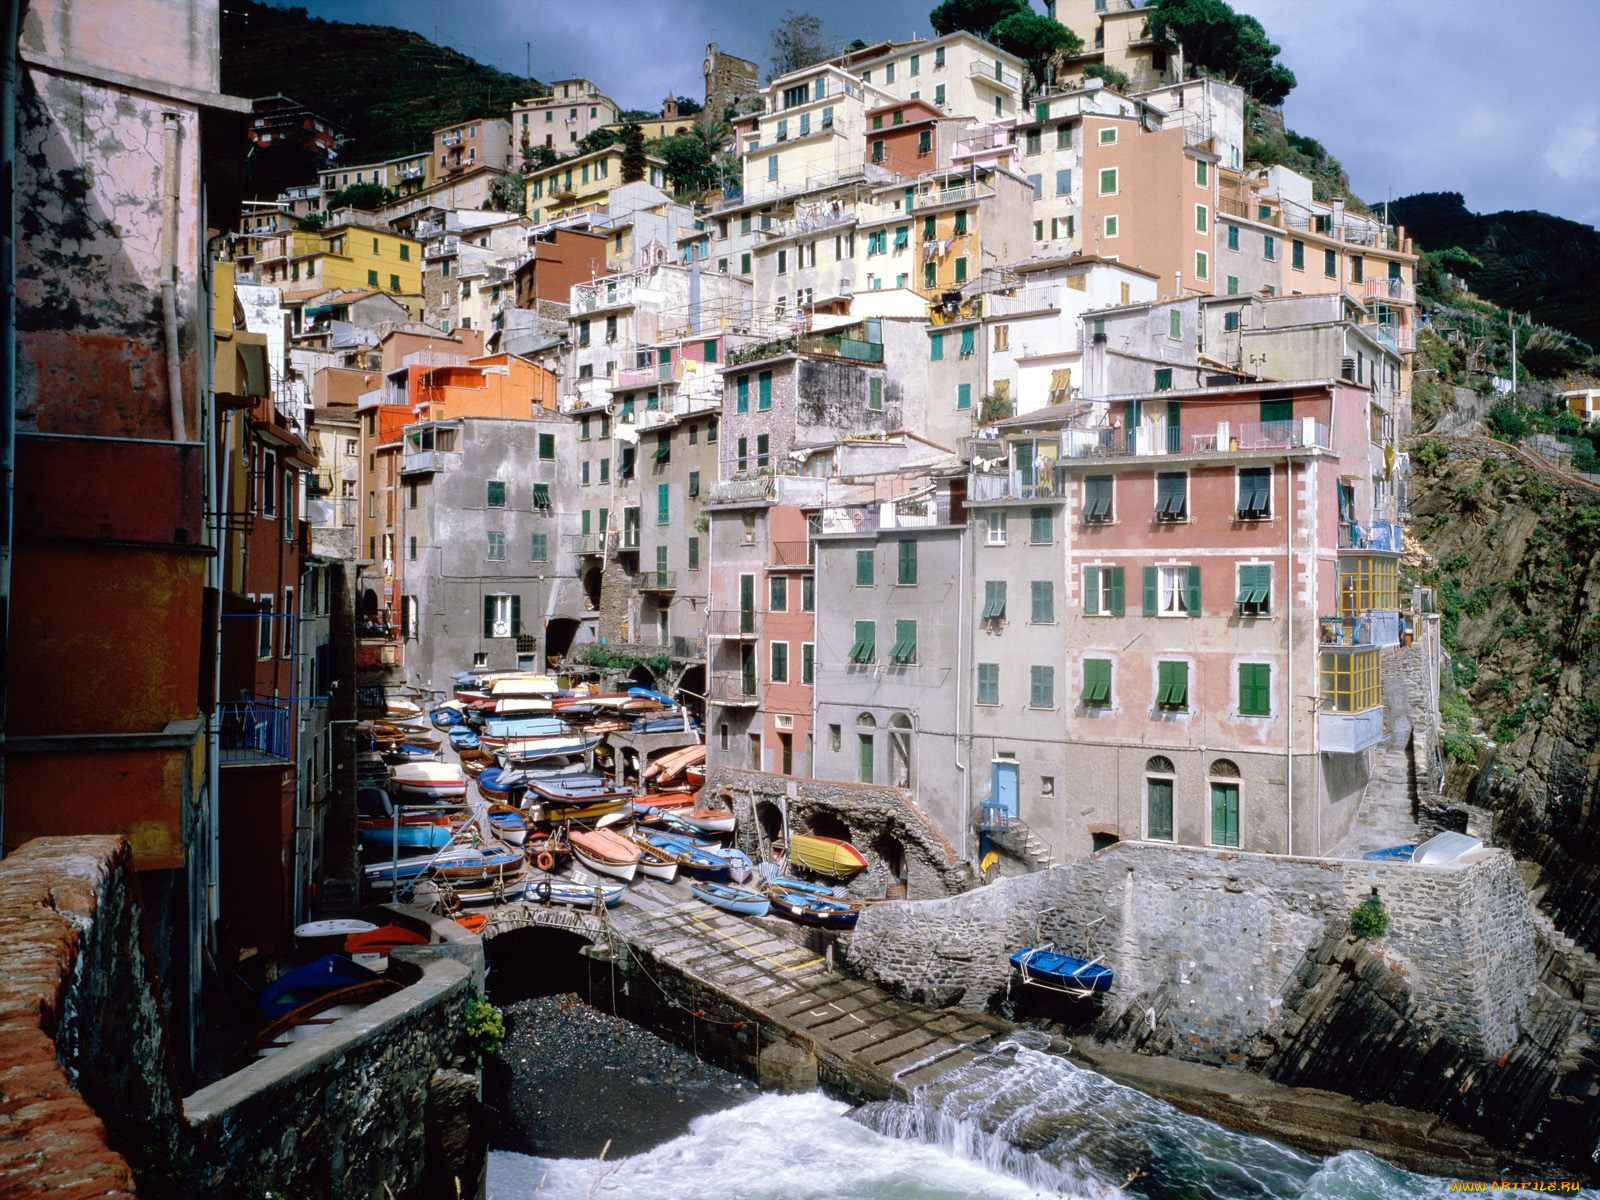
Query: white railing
1390	289
992	72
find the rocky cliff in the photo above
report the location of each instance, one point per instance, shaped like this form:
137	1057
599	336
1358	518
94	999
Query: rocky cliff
1515	558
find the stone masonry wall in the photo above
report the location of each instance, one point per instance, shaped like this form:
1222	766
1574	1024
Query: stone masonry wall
85	1083
1204	943
874	816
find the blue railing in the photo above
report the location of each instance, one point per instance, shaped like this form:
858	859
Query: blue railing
994	818
255	730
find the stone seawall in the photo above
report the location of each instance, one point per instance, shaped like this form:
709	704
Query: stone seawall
85	1080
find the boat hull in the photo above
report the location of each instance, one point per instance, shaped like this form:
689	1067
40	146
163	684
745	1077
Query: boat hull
1051	969
827	856
732	899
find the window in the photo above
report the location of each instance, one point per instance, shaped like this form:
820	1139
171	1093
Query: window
1255	589
864	647
1104	592
988	683
539	550
1224	803
936	345
764	387
1297	255
763	441
772	168
394	283
1233	290
1158	773
1172	686
808	663
1108	179
694	552
502	616
930	275
1351	681
994	600
1097	500
264	635
864	735
905	643
1202	173
372	279
583	473
1255	689
1358	268
1041	687
1269	247
864	568
963	395
1096	683
1108	136
744	264
938	91
778	593
994	527
1044	602
1255	494
1172	591
1063	182
1041	526
1233	237
907	573
1230	320
783	262
1113	227
1202	265
1036	182
605	470
924	143
413	550
694	484
742	399
497	547
875	395
663	504
744	454
1032	142
1172	496
778	663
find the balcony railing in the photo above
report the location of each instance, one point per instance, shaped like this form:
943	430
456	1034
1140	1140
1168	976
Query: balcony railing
1263	435
1000	485
1374	535
592	544
791	555
1349	733
1390	289
994	73
731	623
254	730
658	581
736	691
960	194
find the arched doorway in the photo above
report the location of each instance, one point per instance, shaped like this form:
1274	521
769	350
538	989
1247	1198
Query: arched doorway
770	818
901	774
892	851
691	692
558	635
370	625
642	676
591	588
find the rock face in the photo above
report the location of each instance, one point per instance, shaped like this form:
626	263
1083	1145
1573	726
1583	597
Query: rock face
1517	554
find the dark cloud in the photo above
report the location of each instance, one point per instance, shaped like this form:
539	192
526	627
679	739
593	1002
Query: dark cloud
1491	98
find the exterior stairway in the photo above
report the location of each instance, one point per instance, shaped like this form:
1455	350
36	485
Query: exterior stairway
1387	816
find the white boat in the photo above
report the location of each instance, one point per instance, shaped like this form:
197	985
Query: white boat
429	780
579	893
606	852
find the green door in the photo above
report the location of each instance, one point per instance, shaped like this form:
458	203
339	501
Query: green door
1276	412
1224	814
747	669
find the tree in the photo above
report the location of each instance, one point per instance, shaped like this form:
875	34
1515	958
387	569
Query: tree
536	157
693	157
1220	41
688	105
976	16
360	195
633	157
598	139
1114	79
797	41
509	193
1035	39
311	222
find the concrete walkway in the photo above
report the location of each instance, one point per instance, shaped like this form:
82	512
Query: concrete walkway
1385	817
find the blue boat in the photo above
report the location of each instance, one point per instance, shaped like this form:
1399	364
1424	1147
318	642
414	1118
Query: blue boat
446	718
1047	968
788	883
378	834
547	889
810	907
1391	854
500	784
322	975
464	739
695	859
732	899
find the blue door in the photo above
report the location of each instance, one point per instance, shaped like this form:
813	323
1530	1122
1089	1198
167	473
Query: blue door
1003	785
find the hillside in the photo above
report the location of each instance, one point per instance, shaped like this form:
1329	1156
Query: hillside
390	88
1532	262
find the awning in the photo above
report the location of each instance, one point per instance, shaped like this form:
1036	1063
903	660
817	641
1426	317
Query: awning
905	649
253	368
865	645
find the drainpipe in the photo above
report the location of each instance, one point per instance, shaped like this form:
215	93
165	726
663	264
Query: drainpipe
1288	608
169	270
961	680
8	358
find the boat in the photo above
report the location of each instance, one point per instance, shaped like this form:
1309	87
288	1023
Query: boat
509	824
657	864
693	858
473	922
545	849
415	831
404	752
669	766
303	984
466	863
315	1015
396	708
520	707
383	939
429	781
463	739
500	732
604	851
500	890
695	775
740	868
485	862
575	795
707	820
447	717
731	899
1047	968
791	884
826	856
541	749
508	687
500	784
579	893
810	907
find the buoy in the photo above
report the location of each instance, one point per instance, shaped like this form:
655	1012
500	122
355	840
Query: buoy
544	860
542	891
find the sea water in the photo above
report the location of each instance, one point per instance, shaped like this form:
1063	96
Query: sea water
1040	1127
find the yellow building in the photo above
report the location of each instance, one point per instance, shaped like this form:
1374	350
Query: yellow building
582	183
343	256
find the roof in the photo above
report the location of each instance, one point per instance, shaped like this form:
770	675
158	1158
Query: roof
1071	408
1031	265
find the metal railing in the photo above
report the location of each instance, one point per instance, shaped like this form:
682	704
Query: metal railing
658	581
255	730
1390	289
738	690
1265	435
1375	535
960	194
732	622
1012	485
993	72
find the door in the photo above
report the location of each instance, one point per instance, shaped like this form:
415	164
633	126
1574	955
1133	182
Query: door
747	604
1277	412
1224	814
1003	785
747	669
786	753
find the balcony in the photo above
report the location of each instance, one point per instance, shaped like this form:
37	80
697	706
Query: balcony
412	174
994	73
1377	627
1390	289
255	731
734	691
1385	536
629	542
1349	733
733	623
791	556
453	138
963	193
658	581
592	545
419	462
442	248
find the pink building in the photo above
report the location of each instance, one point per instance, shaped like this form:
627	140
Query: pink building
469	145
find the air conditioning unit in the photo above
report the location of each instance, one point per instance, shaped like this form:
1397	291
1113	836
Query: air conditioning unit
783	720
502	629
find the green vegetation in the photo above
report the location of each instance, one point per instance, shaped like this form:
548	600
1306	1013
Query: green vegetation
1268	142
1369	919
798	41
1012	25
365	196
1219	41
483	1028
509	193
633	154
608	658
1113	78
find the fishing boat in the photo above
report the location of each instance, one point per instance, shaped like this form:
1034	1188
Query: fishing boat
731	899
473	922
826	856
500	731
411	751
500	890
519	706
606	852
316	978
492	860
670	766
501	785
463	739
707	820
810	907
410	832
315	1015
1044	967
694	858
546	849
576	795
383	939
509	687
509	824
428	781
524	750
657	864
578	893
447	717
458	862
398	709
695	775
791	884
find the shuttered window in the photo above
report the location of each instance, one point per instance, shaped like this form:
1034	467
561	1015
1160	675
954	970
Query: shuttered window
864	647
994	600
1096	683
1172	686
1255	494
1255	689
1255	589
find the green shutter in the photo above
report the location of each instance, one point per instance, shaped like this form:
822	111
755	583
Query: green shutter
663	504
908	561
1044	602
1118	602
1194	591
764	380
964	395
743	404
1255	690
864	568
1159	825
1152	591
1224	814
905	642
1091	591
936	347
516	616
488	616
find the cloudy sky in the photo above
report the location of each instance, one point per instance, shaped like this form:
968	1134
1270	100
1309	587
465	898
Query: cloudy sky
1490	98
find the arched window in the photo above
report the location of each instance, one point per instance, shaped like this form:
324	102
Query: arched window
1158	781
900	768
1224	785
866	738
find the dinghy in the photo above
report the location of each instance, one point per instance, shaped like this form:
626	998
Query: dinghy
810	907
428	781
827	856
731	899
1044	967
546	889
304	984
606	852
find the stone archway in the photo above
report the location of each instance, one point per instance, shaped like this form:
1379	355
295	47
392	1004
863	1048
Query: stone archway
828	824
559	633
770	818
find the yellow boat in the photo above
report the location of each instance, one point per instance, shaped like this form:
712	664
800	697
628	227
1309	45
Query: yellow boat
826	856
